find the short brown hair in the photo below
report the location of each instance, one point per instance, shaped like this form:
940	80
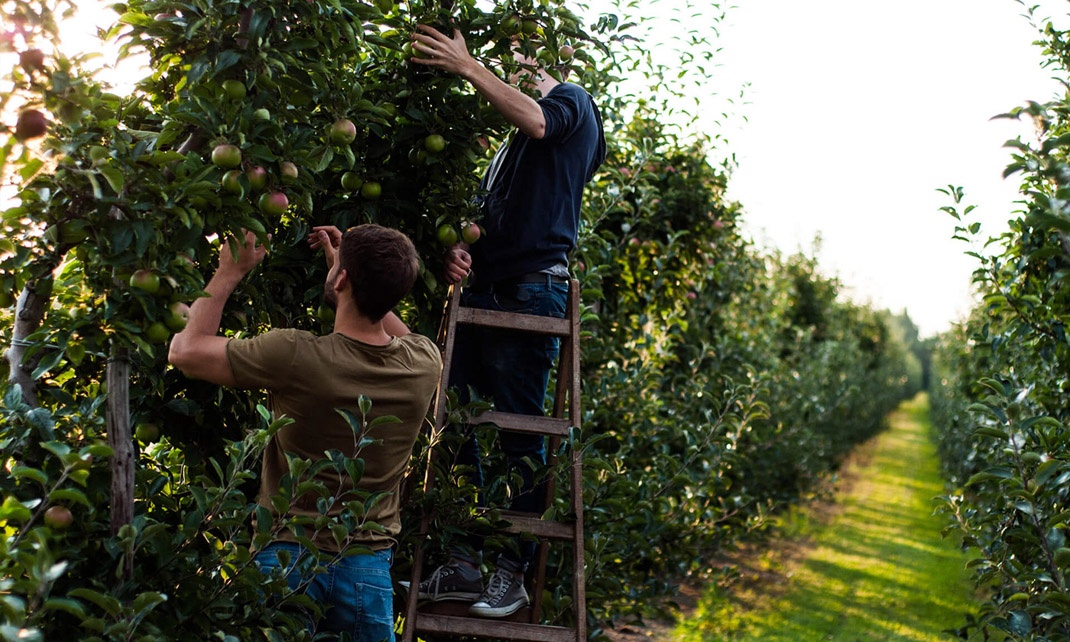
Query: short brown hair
382	265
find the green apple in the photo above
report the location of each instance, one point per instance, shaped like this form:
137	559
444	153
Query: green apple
352	181
434	143
447	235
235	89
157	332
371	190
147	432
177	316
226	156
231	182
145	280
288	172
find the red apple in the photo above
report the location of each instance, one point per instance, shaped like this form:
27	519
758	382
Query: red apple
343	132
258	177
273	203
58	518
32	60
470	233
31	124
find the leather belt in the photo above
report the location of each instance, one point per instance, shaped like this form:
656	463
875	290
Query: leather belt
535	277
512	282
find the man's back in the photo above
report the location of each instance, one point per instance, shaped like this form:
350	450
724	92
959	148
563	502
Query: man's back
532	206
309	378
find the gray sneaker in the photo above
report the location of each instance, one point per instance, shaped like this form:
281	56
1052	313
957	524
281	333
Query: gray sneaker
451	581
505	595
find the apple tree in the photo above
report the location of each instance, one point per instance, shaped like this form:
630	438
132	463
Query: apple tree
126	512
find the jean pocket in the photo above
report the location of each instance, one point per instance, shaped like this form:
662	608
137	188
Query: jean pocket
517	298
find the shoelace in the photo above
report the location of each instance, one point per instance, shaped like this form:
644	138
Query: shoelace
499	584
436	578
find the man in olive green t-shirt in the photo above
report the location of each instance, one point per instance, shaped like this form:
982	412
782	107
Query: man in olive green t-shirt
371	353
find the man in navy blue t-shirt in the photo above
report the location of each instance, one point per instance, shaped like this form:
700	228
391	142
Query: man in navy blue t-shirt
531	197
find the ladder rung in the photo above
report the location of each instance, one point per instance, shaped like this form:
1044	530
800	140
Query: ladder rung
481	627
521	523
525	423
514	321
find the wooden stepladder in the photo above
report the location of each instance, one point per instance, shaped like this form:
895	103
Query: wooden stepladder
452	618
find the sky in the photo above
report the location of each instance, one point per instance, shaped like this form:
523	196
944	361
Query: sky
855	112
844	117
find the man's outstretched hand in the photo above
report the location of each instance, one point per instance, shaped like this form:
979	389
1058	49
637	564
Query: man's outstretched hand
442	51
329	238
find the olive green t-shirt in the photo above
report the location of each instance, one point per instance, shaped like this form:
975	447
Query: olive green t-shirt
308	378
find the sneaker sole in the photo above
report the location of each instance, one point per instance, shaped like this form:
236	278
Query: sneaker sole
458	596
448	597
501	611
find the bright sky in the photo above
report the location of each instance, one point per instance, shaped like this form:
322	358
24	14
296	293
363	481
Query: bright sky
857	112
853	114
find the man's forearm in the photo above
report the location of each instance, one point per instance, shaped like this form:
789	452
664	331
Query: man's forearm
206	313
521	110
197	350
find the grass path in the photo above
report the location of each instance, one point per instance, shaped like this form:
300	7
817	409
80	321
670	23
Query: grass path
876	569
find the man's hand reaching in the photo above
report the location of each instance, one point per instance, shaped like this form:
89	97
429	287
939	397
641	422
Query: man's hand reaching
442	51
329	238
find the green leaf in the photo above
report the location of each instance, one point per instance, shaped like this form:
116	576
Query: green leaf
69	495
145	602
25	472
114	177
66	605
107	603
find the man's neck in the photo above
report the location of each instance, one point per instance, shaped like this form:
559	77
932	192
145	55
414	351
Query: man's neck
351	323
540	81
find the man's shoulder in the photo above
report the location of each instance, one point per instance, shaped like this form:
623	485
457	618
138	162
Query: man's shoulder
569	89
423	344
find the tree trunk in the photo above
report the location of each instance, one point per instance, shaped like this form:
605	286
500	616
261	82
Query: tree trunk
29	312
121	442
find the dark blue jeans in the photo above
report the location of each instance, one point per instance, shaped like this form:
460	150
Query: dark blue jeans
511	368
356	590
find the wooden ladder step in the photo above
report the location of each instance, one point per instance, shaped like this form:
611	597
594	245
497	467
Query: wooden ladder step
551	426
535	525
514	321
481	627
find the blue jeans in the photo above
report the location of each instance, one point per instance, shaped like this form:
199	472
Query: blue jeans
511	368
356	591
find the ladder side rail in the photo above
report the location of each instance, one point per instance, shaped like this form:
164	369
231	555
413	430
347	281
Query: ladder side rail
579	585
446	339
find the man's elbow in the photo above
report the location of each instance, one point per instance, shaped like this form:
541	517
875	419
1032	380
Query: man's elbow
536	131
177	353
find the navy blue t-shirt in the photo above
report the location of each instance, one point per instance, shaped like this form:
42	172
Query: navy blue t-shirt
533	191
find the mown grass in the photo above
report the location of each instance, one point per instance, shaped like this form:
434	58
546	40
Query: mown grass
877	570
